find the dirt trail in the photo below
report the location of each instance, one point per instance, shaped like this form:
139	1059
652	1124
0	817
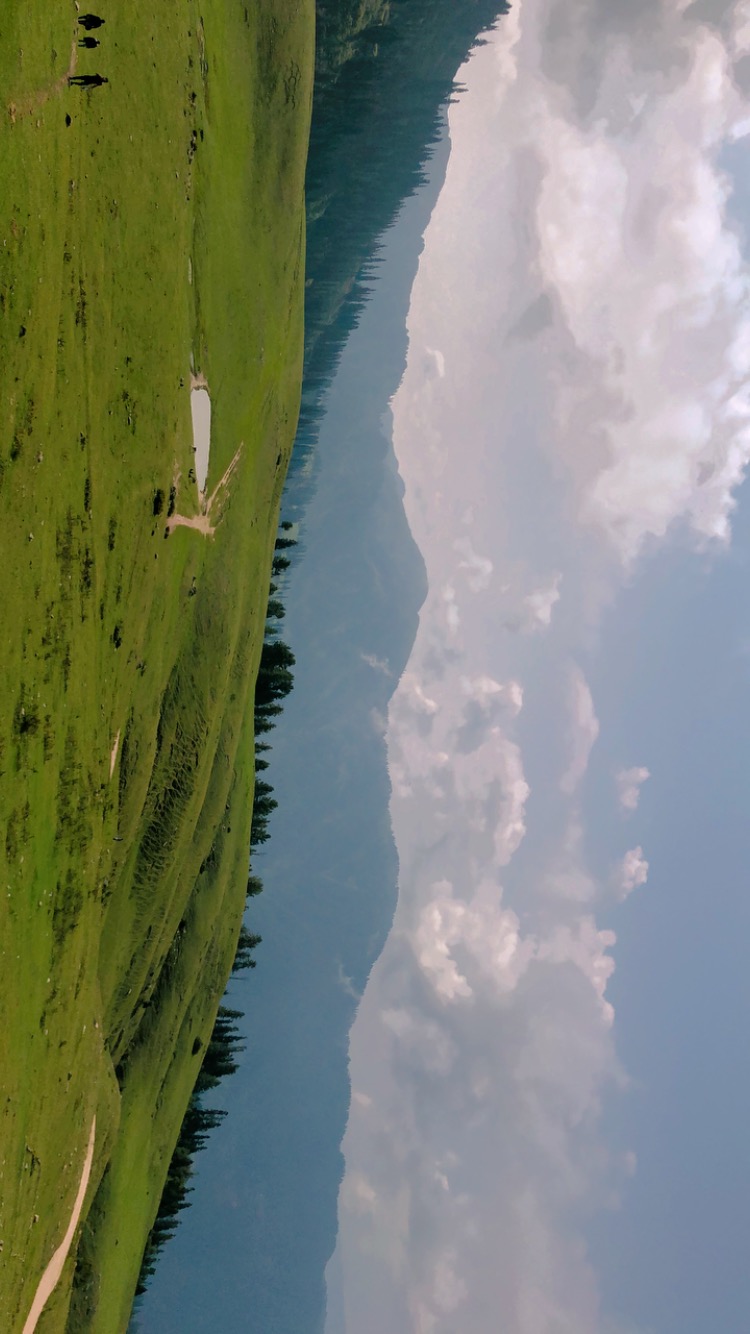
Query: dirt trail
51	1276
16	109
206	522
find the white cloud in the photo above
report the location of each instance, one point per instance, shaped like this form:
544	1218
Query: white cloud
540	603
651	286
489	783
361	1194
452	614
377	664
584	730
485	691
478	569
534	611
448	1289
483	930
585	946
632	873
480	1132
438	360
629	783
412	694
425	1041
567	876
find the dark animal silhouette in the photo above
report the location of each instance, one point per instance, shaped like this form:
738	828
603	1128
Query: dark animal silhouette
87	80
89	42
89	21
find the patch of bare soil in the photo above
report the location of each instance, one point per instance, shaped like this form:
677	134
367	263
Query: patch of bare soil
210	516
34	103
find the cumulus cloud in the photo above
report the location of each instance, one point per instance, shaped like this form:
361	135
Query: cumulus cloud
539	604
425	1041
629	783
477	1134
360	1194
534	319
413	696
534	613
632	873
648	279
486	692
477	569
492	791
481	929
488	703
584	946
451	611
377	664
436	361
483	1043
584	730
567	876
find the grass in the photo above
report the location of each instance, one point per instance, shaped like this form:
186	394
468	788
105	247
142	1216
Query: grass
160	231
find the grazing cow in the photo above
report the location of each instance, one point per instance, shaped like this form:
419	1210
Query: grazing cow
89	21
89	42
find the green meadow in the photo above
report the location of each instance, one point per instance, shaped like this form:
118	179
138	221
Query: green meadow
150	228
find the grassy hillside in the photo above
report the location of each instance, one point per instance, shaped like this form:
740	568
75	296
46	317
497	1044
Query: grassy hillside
148	227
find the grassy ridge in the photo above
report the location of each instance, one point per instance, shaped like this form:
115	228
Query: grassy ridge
161	229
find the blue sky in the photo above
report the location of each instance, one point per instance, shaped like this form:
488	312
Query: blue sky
681	991
547	1130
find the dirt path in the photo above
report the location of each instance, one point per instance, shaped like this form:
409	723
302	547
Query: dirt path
206	522
34	103
51	1276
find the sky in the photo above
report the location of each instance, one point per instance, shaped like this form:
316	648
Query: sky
549	1110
